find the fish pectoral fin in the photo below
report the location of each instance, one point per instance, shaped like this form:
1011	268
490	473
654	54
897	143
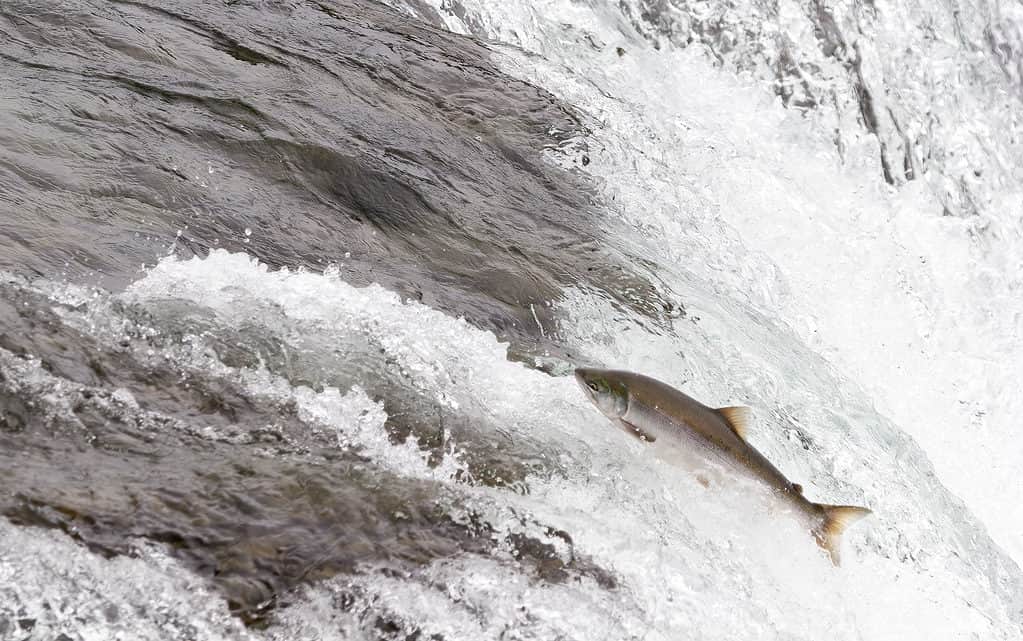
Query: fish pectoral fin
636	432
798	488
739	418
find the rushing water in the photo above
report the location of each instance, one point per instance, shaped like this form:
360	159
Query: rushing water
292	291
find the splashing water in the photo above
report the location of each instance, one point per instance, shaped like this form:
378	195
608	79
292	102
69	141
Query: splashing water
683	556
852	318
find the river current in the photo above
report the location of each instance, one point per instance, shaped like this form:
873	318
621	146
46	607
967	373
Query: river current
291	293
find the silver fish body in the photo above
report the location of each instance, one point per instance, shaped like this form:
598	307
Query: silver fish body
680	429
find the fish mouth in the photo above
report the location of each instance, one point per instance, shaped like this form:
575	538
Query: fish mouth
580	377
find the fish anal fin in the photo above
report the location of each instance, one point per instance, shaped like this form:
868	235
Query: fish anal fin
836	519
739	417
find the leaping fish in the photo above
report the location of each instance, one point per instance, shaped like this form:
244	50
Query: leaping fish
680	427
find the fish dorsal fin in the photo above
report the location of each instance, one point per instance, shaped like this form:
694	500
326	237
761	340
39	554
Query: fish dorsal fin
740	418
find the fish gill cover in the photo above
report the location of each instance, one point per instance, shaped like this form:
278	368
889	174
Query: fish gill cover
292	292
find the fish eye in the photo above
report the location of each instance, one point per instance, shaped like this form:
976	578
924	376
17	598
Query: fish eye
593	386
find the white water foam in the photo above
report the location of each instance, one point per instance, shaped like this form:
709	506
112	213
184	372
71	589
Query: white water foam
63	591
687	557
720	185
719	562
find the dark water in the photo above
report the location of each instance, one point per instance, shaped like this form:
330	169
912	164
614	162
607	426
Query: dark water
303	133
332	131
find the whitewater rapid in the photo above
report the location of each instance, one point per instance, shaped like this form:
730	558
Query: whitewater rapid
877	341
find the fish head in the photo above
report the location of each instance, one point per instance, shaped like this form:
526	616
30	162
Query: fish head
606	391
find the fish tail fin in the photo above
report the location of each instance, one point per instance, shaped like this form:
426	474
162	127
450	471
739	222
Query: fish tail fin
836	519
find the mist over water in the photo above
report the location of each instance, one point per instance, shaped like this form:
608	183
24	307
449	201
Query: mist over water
336	400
